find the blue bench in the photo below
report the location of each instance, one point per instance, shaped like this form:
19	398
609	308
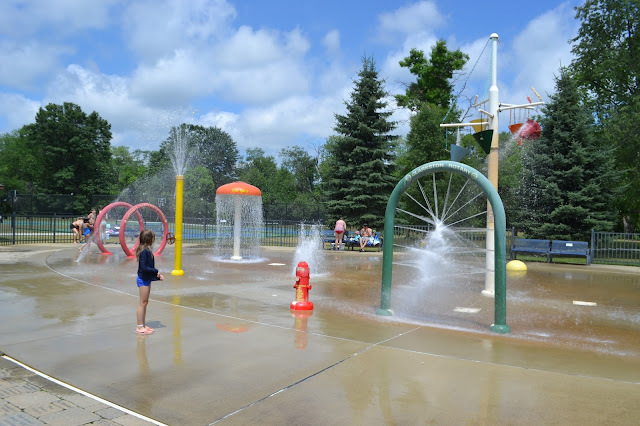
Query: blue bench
374	241
569	248
329	236
530	246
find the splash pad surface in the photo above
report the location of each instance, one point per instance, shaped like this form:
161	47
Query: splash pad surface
226	342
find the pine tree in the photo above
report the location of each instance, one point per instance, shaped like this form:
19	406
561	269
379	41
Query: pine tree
358	179
568	174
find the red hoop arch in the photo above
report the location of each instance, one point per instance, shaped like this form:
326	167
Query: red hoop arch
102	214
123	224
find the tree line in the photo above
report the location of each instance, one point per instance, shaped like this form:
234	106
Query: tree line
581	174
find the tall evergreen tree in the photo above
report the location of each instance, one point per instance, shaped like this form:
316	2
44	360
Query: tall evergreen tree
359	178
569	179
607	65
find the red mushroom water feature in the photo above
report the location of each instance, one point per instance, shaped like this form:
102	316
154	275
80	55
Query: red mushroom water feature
239	218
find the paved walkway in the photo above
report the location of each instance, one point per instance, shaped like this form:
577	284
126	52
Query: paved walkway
30	399
228	351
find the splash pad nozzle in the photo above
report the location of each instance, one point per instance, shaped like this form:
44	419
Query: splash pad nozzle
302	286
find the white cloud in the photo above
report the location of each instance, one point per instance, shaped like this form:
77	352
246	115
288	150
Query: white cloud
24	62
259	84
21	17
281	124
412	19
537	54
109	95
171	81
17	109
156	28
254	67
331	42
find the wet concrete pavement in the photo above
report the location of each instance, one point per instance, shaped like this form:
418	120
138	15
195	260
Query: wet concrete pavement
227	350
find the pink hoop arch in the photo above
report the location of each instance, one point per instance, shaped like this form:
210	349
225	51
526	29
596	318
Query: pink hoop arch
123	224
102	214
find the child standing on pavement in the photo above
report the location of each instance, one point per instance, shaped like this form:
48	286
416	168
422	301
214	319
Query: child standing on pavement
146	273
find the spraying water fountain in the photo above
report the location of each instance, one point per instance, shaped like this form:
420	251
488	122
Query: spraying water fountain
310	249
440	212
180	157
239	221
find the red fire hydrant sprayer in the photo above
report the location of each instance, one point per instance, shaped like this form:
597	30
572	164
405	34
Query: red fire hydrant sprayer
302	287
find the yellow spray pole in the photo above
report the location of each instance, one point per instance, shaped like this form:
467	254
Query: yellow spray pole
178	254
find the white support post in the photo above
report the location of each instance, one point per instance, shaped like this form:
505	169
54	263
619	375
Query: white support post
489	284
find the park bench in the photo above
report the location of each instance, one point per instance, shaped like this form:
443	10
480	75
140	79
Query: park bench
530	246
570	249
329	236
374	242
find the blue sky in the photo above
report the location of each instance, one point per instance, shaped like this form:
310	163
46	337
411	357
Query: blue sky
271	73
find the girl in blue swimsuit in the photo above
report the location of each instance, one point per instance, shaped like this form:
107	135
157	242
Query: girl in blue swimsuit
147	272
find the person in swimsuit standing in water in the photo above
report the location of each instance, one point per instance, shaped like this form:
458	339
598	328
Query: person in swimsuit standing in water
76	228
339	229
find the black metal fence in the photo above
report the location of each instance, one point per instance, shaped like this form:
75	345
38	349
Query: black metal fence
417	236
63	205
56	229
613	248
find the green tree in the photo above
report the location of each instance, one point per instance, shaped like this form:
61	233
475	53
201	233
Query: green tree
200	192
18	165
359	177
209	147
425	141
568	173
622	131
607	52
128	166
73	151
607	65
431	98
216	151
433	76
304	169
261	171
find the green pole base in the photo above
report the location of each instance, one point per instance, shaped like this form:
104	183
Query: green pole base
384	312
177	272
502	329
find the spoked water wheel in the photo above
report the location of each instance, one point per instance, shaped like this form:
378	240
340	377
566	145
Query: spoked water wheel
447	195
444	199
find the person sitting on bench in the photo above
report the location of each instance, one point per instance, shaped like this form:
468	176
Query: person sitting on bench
365	234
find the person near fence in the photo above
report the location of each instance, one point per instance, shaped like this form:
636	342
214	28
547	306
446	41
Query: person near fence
103	225
365	234
147	272
86	233
339	229
91	219
77	226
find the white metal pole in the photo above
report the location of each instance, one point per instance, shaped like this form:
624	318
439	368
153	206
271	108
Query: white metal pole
237	228
489	284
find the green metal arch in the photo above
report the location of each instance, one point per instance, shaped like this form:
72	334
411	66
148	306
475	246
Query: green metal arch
500	321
